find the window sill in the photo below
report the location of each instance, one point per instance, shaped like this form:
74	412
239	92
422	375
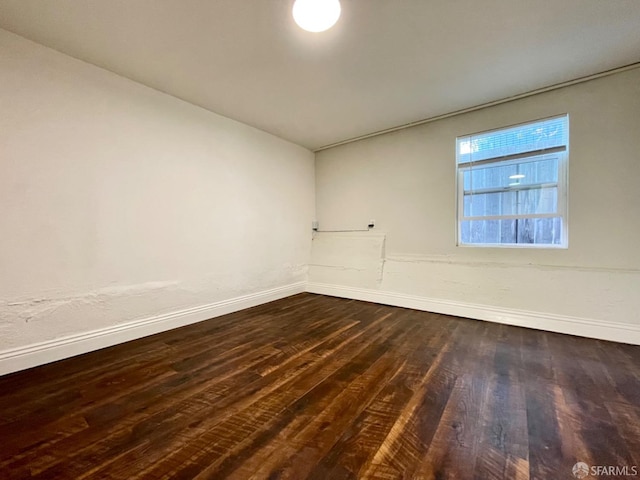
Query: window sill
512	245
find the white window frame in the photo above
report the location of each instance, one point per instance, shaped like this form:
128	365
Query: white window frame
562	153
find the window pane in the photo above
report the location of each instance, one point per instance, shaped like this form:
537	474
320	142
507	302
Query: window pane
538	200
488	231
514	202
533	231
519	139
489	204
539	231
542	170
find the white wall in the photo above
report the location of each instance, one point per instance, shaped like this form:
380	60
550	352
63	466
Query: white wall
406	181
118	202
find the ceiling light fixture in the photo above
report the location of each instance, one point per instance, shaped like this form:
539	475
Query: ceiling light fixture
316	15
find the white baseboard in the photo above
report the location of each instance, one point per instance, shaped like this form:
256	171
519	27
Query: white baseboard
583	327
29	356
21	358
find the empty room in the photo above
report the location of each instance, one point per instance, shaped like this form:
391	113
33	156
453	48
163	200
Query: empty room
319	239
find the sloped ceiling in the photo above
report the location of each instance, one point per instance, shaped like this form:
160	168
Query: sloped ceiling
386	62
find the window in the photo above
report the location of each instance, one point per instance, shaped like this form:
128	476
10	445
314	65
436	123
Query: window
512	185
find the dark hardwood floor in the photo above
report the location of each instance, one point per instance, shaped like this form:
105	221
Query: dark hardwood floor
325	388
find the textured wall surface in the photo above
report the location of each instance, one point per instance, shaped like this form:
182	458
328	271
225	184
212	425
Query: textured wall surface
118	202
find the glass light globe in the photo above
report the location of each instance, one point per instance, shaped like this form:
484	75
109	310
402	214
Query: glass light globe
316	15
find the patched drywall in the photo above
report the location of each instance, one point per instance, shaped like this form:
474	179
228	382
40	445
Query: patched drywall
356	258
118	202
605	294
406	181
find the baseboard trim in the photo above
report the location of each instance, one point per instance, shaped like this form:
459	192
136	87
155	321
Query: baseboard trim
21	358
582	327
36	354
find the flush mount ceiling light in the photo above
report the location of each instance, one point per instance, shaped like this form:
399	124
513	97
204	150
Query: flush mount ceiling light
316	15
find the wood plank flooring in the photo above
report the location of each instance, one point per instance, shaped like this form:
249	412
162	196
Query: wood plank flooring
325	388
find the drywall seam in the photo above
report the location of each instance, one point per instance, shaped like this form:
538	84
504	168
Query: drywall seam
583	327
28	356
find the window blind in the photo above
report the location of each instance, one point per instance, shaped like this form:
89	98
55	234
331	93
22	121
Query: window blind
538	136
